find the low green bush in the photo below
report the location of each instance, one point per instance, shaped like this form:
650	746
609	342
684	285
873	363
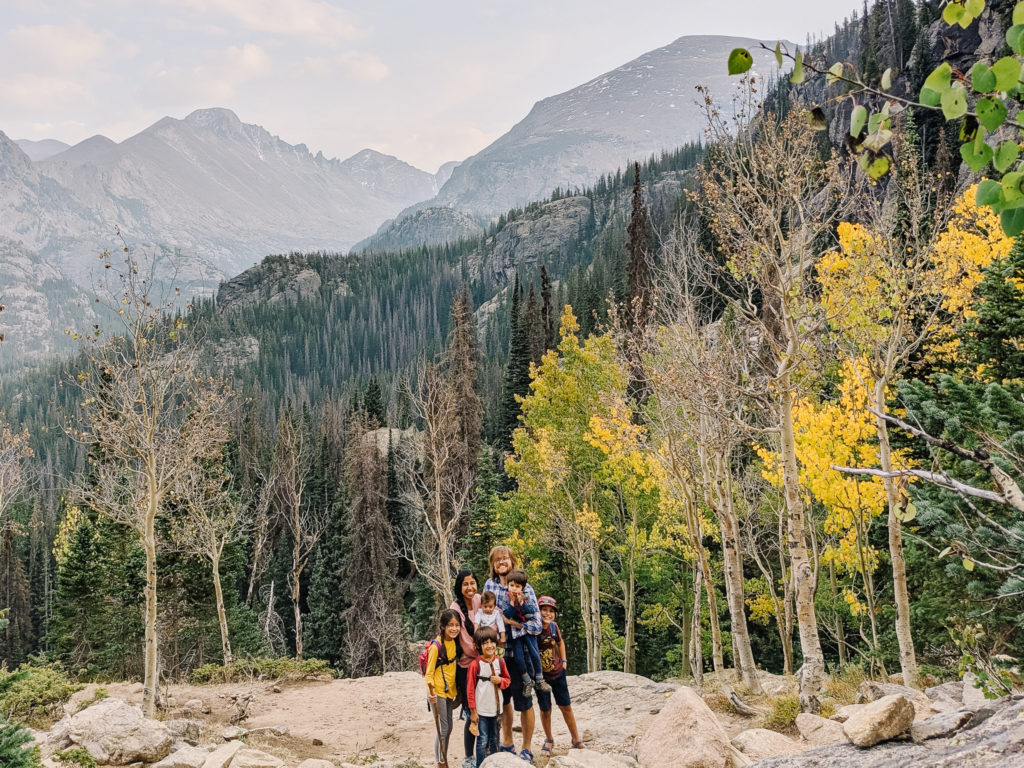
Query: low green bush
782	712
282	668
13	753
33	694
75	757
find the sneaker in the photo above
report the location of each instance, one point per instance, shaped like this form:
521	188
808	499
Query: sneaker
469	762
543	686
527	688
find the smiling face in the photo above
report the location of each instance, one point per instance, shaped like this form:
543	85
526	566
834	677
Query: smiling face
451	629
502	565
488	649
469	589
547	614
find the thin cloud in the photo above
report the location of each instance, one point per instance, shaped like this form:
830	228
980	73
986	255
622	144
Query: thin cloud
312	20
360	65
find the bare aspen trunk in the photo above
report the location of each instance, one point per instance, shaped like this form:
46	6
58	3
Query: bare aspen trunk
837	625
151	674
685	632
595	603
908	659
696	652
222	616
717	656
811	677
296	587
629	660
588	629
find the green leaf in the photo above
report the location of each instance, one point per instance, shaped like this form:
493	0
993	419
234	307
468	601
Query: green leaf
968	564
1015	37
878	121
878	167
976	157
991	112
909	512
973	8
1018	13
989	192
886	82
740	61
816	119
858	117
954	102
778	53
834	73
798	70
1007	72
1012	221
982	78
1005	155
930	98
939	78
952	13
1010	186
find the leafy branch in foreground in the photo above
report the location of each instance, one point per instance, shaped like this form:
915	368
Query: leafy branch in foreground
990	139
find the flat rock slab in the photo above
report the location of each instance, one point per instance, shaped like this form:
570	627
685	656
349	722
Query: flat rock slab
589	758
189	757
759	743
817	731
254	758
940	726
314	763
222	756
880	720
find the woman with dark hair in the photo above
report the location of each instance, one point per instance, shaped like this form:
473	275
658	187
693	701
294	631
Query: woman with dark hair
442	690
466	604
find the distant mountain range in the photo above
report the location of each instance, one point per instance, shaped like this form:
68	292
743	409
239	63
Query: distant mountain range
207	196
641	108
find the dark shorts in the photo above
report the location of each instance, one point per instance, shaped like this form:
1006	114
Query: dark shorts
514	692
559	689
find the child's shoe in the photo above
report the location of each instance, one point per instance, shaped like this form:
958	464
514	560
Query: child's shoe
527	687
542	686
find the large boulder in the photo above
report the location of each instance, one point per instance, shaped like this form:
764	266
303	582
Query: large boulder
845	713
115	733
500	760
873	691
684	734
819	732
940	726
880	720
185	729
759	743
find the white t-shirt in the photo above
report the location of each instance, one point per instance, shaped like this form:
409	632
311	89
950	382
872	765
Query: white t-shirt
492	619
487	704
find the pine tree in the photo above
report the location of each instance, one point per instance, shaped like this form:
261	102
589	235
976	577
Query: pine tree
547	309
373	401
994	337
517	370
534	322
16	640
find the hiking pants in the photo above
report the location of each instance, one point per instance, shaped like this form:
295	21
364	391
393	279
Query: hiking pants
487	741
445	718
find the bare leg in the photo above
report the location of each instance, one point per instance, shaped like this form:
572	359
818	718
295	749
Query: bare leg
506	725
526	720
570	721
545	721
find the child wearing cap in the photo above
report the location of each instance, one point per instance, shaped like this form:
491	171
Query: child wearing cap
553	663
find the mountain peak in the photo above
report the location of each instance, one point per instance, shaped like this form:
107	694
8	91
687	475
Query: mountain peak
214	117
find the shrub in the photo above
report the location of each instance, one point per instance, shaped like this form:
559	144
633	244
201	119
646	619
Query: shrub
34	693
828	708
13	753
75	757
843	685
282	668
782	711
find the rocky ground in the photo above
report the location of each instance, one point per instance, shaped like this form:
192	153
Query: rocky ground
627	722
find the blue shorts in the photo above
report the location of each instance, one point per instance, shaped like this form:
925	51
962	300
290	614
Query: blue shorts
559	689
514	692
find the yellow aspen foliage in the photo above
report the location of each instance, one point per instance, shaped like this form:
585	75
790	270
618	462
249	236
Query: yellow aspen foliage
65	532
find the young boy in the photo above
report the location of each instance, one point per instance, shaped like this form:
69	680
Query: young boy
552	659
487	616
522	642
484	678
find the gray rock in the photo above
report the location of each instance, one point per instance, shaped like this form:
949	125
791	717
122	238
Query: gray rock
233	732
941	725
817	731
502	760
872	691
880	720
952	690
222	756
314	763
185	729
685	734
254	758
844	713
589	758
998	743
116	733
759	743
272	730
189	757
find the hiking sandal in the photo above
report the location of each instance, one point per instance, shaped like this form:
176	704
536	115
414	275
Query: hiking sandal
579	744
549	744
527	755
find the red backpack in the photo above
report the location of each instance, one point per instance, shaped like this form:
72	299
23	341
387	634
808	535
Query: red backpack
441	658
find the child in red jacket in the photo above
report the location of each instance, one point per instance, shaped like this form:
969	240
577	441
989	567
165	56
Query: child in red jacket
484	678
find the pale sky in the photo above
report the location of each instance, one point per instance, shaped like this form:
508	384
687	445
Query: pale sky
425	80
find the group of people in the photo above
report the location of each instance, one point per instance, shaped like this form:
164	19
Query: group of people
497	648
